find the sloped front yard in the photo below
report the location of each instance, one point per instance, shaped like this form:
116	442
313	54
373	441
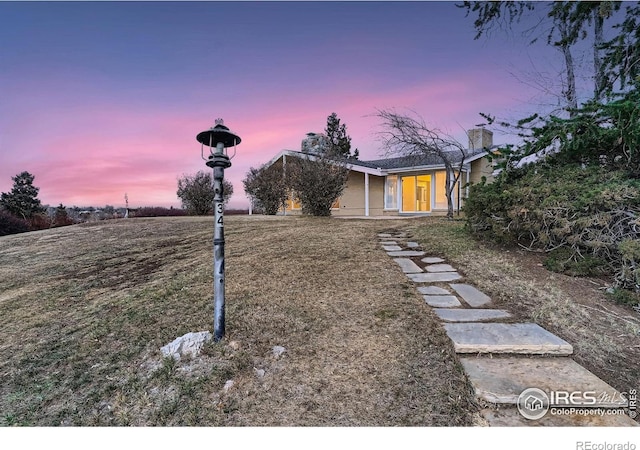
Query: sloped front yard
84	311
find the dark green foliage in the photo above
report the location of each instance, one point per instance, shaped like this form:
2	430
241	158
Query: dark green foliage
564	260
338	142
622	53
624	297
23	200
586	211
267	188
196	192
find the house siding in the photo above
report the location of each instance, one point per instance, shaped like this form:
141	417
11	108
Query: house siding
352	199
481	168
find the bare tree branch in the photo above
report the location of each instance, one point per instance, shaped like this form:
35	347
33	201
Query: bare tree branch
410	135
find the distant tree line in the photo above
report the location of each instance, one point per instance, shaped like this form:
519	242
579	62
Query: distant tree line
21	210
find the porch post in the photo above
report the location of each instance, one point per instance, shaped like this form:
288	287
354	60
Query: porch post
284	177
366	194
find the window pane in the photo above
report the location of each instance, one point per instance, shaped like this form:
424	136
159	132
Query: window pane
423	193
408	193
441	196
391	192
441	186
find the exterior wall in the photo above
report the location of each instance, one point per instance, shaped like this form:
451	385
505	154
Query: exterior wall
352	199
481	168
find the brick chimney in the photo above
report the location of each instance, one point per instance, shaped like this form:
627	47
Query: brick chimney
480	138
314	143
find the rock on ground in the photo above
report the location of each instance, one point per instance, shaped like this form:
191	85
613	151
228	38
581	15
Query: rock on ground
190	344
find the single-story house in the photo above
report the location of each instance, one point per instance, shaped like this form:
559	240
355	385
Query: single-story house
405	185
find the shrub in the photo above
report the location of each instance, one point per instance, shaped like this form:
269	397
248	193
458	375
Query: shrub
317	184
157	211
39	222
586	217
10	224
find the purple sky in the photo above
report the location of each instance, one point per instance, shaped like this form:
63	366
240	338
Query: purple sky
99	99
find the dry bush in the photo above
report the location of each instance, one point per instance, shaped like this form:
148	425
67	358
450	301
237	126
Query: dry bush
591	214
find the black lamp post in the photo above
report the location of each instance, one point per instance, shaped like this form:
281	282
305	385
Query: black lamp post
218	139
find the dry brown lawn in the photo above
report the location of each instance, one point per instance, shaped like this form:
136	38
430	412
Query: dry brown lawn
85	309
605	335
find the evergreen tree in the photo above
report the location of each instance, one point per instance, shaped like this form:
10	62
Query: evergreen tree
61	217
338	142
23	200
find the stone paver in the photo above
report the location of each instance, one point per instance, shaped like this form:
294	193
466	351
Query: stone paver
471	295
440	268
434	277
501	380
433	290
432	260
442	301
395	254
520	338
510	417
407	265
471	315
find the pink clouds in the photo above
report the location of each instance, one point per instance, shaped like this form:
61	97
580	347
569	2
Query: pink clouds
92	152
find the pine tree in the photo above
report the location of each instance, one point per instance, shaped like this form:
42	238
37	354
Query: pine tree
338	142
23	200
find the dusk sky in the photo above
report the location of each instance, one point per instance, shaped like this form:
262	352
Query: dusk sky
99	99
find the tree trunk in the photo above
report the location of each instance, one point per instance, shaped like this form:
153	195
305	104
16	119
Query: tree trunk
565	48
449	192
597	62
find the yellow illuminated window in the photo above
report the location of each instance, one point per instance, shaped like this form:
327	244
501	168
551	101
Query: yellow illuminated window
416	193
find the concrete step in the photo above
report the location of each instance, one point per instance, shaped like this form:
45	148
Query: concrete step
501	380
442	301
407	265
510	417
518	338
439	268
404	253
471	315
432	260
434	277
471	295
433	290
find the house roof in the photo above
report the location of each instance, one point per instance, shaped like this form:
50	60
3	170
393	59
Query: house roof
419	160
397	164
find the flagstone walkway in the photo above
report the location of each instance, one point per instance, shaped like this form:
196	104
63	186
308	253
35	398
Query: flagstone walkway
503	358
